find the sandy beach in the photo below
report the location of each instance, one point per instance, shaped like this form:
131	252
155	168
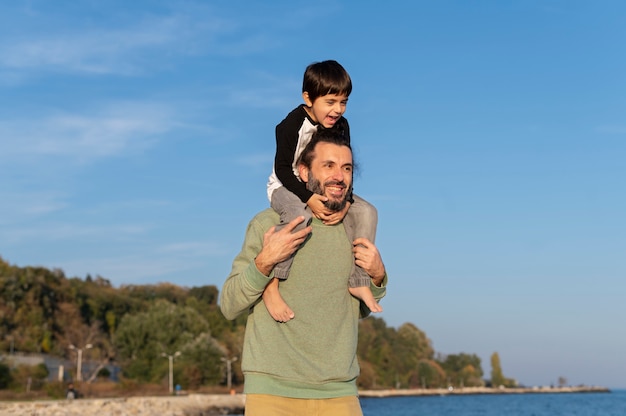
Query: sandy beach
190	405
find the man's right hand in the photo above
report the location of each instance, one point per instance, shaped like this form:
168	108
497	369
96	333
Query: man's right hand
279	245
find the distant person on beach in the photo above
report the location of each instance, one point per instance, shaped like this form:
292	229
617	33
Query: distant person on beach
325	90
71	392
306	366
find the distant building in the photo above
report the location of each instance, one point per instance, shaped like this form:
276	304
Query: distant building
55	363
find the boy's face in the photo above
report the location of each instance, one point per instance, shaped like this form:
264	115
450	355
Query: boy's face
326	109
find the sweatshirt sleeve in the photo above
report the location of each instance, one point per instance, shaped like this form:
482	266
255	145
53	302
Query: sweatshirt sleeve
245	284
286	141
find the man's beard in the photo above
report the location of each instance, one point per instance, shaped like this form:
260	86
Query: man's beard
315	186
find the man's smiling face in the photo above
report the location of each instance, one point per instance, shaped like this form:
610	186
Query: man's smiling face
330	174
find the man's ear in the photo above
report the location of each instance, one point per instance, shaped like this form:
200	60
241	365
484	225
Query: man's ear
303	171
307	99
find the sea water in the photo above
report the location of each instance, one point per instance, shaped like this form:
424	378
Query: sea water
528	404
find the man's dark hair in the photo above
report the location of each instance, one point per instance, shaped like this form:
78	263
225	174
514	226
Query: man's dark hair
326	77
322	135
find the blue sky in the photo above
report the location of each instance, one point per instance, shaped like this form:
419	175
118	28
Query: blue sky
137	138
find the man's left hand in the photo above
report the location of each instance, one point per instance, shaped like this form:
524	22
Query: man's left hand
368	258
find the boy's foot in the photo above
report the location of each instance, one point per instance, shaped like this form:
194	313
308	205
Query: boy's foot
365	294
276	306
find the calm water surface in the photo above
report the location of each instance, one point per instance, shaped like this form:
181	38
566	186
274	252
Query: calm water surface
544	404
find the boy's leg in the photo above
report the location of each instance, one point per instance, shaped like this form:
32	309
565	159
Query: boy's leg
288	206
361	221
365	294
274	303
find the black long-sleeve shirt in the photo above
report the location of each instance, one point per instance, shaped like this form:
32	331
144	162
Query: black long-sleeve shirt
292	136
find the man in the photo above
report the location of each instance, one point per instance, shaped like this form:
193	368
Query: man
308	365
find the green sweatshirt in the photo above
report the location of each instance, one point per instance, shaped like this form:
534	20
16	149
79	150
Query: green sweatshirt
314	354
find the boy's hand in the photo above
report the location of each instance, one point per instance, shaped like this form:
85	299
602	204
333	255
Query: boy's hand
337	216
316	203
320	211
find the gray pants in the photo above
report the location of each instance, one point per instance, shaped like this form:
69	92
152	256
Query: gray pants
361	221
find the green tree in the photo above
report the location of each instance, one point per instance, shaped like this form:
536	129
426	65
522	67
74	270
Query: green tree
410	347
43	311
32	376
206	294
429	375
463	370
374	347
165	328
497	378
5	376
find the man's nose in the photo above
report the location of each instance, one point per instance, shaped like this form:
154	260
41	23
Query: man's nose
337	174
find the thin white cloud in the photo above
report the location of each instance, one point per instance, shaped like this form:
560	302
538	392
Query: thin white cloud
11	78
612	129
24	205
163	261
70	232
111	50
264	90
279	97
264	160
130	45
127	269
194	248
83	137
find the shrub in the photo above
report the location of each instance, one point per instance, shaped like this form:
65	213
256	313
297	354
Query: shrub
5	376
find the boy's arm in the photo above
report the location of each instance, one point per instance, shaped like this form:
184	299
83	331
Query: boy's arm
286	142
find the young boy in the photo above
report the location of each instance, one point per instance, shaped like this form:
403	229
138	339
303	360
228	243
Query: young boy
325	90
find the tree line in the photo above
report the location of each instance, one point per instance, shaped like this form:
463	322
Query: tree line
136	326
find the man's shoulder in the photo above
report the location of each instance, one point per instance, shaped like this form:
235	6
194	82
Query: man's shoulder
266	218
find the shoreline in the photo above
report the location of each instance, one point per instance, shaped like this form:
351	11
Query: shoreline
223	404
481	390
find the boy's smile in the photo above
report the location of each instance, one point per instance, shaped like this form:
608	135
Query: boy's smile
327	109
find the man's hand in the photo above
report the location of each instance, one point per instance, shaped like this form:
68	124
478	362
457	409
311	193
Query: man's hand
279	245
368	258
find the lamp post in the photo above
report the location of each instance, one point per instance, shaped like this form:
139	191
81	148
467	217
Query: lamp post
171	358
79	360
229	372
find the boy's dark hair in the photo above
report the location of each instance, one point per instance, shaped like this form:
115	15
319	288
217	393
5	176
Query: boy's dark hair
322	135
326	77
